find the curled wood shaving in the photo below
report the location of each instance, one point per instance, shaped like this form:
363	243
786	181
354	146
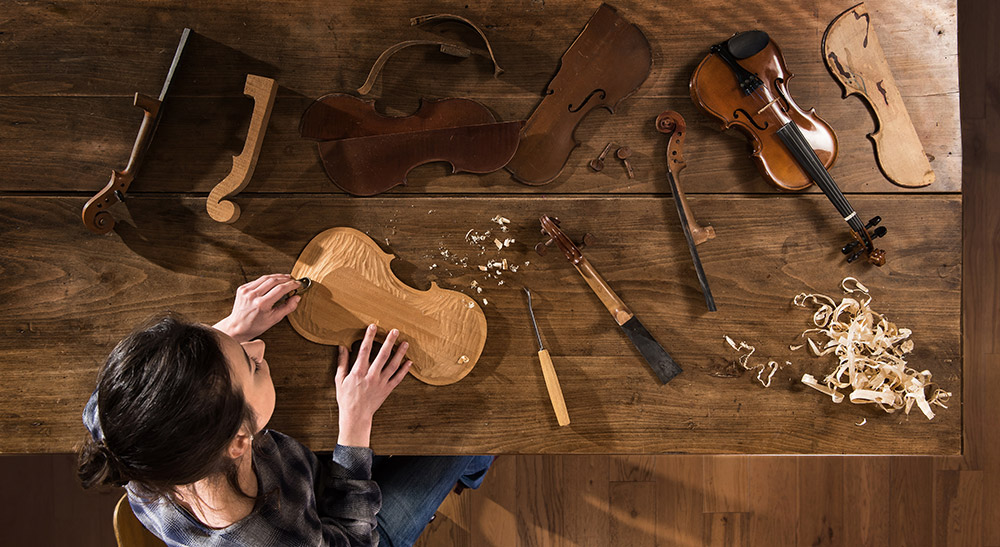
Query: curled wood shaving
870	351
771	367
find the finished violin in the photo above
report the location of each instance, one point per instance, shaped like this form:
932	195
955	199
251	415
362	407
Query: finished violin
743	83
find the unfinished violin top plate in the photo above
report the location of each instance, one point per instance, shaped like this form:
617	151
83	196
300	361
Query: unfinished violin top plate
353	286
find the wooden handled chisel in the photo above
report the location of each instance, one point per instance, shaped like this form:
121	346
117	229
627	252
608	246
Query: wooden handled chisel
551	380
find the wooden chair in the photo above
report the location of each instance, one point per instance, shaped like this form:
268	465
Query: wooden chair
129	531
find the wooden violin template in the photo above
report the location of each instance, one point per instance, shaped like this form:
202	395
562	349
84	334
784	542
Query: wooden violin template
606	63
218	205
352	286
95	212
855	59
743	83
658	359
672	124
366	153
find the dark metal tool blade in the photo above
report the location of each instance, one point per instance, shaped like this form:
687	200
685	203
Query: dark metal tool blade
173	65
709	301
659	360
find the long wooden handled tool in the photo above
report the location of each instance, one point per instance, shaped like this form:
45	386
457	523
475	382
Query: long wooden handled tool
551	380
658	359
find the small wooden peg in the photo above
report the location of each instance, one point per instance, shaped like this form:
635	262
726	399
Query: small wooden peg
262	90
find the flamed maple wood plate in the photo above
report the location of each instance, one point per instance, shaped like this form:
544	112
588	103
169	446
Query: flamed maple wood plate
353	286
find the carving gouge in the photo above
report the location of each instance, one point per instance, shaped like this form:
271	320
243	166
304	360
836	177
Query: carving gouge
551	380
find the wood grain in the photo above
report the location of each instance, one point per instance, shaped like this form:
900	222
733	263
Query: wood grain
853	53
353	286
176	257
219	207
867	483
774	500
679	500
65	109
725	529
86	97
821	508
911	501
632	508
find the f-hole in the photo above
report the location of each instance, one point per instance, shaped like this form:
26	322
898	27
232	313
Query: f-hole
736	116
587	100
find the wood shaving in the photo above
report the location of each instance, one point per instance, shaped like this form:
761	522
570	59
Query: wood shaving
771	367
463	360
498	243
870	351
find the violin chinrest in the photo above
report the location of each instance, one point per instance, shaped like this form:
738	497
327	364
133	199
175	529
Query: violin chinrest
353	286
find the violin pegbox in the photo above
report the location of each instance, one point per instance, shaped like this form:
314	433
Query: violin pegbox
859	246
550	229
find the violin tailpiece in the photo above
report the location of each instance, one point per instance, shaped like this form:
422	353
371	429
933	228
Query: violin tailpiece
262	90
855	59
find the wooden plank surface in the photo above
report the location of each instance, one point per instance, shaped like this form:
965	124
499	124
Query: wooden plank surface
86	127
66	118
94	289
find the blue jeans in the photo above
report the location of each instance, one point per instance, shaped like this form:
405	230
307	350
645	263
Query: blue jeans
413	487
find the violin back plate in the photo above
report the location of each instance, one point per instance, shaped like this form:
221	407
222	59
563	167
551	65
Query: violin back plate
366	153
606	63
353	286
855	58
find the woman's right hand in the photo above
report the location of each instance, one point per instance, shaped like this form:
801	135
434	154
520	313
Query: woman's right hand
362	388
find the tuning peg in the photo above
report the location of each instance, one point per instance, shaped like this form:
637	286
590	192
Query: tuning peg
873	222
855	256
879	232
542	246
850	247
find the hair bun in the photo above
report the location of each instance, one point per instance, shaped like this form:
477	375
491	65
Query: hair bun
116	470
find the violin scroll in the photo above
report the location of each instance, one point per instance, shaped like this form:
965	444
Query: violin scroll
553	223
550	228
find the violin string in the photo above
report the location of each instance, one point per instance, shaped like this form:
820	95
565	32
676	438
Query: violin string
829	187
808	155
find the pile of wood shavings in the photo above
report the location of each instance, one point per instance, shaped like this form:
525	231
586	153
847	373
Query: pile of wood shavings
870	351
744	360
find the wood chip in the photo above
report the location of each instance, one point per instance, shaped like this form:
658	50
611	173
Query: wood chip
869	350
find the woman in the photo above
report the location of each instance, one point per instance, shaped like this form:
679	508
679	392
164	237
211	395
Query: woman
179	417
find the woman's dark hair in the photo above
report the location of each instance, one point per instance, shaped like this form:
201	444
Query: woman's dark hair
168	409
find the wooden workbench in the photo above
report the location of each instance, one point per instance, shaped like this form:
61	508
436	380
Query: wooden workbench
67	74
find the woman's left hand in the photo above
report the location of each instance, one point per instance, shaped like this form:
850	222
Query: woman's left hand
254	310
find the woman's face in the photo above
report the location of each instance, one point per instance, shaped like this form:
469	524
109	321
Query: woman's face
250	373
